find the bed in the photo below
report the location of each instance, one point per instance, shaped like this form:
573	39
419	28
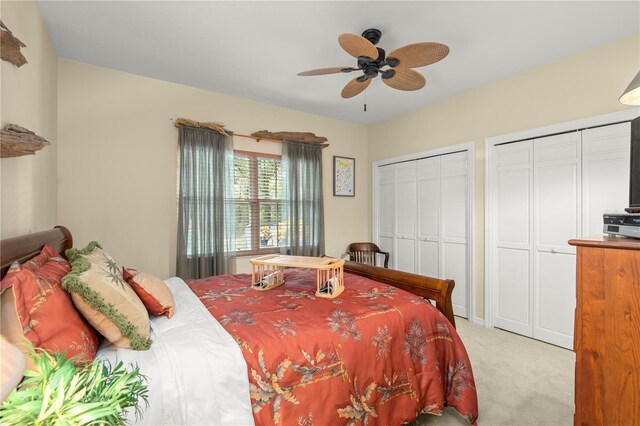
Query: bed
378	354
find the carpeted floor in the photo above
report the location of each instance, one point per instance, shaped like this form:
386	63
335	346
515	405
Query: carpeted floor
520	381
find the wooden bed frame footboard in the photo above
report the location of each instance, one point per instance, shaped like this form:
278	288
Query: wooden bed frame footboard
432	288
25	247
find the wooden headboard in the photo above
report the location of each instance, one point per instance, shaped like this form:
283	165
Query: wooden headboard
25	247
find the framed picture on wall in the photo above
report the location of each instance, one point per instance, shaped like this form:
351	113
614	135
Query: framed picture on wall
344	176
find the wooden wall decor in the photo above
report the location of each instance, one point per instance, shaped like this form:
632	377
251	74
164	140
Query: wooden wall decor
10	47
216	127
16	141
290	136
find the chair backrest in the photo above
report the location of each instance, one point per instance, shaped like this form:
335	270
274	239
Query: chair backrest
366	253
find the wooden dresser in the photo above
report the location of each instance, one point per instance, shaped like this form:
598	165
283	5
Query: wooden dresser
607	331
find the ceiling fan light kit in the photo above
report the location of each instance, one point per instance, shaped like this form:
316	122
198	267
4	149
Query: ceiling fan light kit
372	60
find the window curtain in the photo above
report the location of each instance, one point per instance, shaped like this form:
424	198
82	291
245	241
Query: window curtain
205	225
302	204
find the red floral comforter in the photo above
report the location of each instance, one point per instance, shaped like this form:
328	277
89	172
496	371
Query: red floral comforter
373	355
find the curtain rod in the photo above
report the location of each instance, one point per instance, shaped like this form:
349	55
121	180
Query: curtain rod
258	139
219	127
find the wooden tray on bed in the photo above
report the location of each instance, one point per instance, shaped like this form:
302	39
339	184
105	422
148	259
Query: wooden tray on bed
25	247
268	272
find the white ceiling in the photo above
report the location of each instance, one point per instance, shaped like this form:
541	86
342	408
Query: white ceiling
254	49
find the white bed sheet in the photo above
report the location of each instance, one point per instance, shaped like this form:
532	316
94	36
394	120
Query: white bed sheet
196	372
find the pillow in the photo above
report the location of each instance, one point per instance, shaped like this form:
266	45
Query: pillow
104	298
35	306
152	291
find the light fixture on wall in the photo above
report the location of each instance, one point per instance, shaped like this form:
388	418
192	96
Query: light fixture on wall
631	96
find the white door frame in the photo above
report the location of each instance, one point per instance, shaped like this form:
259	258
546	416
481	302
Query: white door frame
470	147
489	143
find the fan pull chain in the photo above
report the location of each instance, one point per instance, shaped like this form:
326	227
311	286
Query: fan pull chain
365	101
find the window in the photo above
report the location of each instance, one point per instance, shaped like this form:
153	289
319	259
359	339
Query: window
257	194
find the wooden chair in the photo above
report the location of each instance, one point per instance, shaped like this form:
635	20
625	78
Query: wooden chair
366	253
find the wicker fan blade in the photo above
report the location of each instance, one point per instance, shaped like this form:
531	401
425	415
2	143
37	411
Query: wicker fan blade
354	87
332	70
405	79
419	54
356	46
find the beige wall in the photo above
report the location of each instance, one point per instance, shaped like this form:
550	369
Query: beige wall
118	153
28	189
579	86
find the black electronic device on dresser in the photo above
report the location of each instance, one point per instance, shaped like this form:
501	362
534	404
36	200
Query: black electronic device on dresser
634	179
628	224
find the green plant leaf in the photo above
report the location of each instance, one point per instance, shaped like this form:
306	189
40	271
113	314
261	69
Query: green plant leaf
60	393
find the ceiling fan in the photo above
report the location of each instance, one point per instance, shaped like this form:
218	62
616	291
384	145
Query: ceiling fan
372	60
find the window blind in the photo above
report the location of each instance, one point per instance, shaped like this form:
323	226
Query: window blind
257	194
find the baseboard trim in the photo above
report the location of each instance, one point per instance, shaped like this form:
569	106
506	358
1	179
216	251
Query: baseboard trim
478	321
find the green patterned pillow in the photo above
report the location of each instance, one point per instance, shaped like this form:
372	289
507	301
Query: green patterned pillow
105	299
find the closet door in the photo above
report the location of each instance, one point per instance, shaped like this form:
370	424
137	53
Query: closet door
557	190
429	241
442	223
605	173
512	252
386	211
405	216
547	192
454	211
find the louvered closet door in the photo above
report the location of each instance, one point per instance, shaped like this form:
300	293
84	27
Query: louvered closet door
605	173
405	216
512	254
454	202
386	211
557	190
